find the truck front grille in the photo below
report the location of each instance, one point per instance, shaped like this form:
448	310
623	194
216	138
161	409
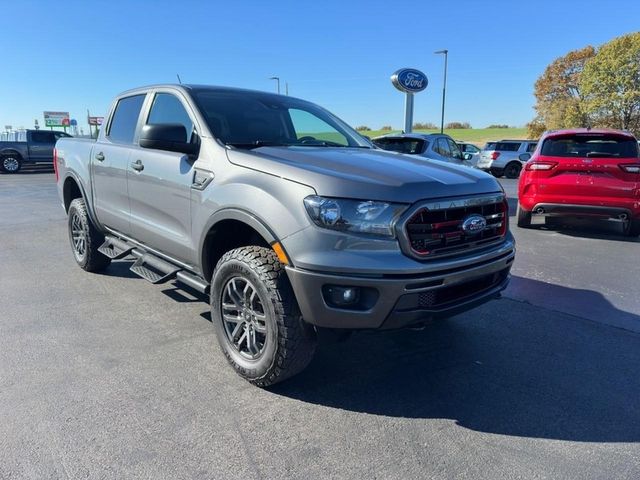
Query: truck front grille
432	232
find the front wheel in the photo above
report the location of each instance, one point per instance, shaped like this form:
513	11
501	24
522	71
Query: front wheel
256	317
85	239
11	163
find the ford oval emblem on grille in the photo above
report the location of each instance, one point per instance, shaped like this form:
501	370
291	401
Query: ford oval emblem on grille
474	224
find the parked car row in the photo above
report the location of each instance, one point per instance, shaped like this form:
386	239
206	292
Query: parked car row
498	158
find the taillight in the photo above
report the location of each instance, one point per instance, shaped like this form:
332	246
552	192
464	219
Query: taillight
55	163
631	167
540	166
495	155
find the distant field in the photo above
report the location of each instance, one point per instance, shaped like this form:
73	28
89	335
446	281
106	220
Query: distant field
478	136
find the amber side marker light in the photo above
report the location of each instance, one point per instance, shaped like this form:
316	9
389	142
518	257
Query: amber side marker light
282	256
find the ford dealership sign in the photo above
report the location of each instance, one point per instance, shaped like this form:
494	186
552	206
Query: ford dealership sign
409	80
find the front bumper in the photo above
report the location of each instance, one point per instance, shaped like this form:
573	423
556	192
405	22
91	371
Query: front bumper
403	299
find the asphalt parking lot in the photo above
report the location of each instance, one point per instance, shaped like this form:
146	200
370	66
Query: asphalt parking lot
108	376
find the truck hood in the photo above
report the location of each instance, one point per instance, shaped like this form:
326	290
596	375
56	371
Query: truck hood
366	174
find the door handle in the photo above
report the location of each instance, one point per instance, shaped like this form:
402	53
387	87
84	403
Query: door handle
100	156
137	166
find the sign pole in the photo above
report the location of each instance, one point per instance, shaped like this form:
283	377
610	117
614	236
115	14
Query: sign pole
408	112
409	81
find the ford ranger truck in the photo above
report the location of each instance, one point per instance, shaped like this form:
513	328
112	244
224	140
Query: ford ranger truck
292	222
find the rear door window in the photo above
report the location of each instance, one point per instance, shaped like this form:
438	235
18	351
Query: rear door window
123	124
507	146
42	137
593	146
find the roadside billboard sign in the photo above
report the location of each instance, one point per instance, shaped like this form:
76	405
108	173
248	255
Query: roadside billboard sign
56	119
96	120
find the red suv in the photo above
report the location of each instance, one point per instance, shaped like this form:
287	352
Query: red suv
582	173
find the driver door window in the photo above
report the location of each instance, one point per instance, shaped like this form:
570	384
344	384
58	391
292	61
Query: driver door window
167	109
455	150
443	147
309	128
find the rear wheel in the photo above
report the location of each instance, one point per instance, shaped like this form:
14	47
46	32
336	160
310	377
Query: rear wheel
11	163
524	217
512	170
632	228
85	239
257	319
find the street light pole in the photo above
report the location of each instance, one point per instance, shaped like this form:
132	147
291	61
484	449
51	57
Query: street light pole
444	86
277	79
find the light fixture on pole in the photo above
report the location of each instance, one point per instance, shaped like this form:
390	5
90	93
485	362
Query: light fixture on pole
277	79
444	86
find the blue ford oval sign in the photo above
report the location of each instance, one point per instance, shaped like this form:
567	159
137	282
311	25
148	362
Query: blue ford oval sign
409	80
474	224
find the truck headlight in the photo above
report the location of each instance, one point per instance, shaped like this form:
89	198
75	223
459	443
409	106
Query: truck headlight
355	216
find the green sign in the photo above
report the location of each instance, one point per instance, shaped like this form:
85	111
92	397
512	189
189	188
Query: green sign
56	119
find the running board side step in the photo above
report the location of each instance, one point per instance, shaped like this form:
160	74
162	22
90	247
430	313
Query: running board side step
114	248
152	268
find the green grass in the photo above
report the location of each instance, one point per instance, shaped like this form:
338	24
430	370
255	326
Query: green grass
477	136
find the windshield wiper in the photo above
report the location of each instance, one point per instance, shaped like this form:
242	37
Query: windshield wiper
258	144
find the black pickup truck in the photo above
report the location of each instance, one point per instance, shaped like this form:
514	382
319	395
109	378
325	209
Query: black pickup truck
38	148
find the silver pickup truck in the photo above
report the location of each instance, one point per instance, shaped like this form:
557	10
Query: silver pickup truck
292	222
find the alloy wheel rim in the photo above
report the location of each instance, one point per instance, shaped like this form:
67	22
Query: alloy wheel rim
244	318
10	164
78	236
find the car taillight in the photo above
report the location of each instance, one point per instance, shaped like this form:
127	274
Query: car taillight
495	155
540	166
631	167
55	163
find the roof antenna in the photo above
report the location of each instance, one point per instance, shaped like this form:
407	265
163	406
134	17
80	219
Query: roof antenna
179	81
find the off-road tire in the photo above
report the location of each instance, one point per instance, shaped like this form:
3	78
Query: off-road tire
512	170
524	217
89	259
15	162
632	229
290	343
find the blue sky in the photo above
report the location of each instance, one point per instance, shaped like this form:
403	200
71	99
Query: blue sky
76	55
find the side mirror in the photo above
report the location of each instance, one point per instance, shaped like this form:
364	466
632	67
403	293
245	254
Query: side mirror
468	156
169	137
524	157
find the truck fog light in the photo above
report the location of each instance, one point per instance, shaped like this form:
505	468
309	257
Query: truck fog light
340	296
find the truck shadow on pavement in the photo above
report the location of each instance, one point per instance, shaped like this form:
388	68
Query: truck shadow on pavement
507	368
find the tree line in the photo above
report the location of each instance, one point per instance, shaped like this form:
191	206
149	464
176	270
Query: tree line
591	87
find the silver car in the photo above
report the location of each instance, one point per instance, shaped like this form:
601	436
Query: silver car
434	146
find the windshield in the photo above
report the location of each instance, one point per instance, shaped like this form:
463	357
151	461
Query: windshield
590	145
252	119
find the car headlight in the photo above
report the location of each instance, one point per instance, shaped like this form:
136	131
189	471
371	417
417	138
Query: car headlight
356	216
